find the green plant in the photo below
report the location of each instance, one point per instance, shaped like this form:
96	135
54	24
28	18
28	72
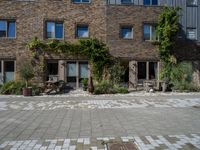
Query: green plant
12	87
26	72
15	88
181	77
95	50
105	87
167	29
120	89
85	84
116	71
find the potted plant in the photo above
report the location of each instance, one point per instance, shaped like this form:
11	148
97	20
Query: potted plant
27	73
85	84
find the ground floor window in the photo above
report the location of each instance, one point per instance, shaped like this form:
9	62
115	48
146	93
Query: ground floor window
7	71
147	70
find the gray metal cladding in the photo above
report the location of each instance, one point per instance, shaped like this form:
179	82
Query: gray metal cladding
189	14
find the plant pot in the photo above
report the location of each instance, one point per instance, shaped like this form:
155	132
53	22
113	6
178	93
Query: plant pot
27	91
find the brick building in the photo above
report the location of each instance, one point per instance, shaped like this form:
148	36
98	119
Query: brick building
126	26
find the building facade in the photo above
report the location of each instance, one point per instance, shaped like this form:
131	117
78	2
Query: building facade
126	26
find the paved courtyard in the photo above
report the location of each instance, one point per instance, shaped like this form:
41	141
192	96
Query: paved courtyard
83	122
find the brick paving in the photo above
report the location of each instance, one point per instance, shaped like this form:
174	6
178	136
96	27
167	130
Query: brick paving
175	142
164	122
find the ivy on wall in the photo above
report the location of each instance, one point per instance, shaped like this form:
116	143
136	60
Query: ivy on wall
95	50
167	29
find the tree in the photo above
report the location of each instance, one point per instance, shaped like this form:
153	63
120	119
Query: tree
26	71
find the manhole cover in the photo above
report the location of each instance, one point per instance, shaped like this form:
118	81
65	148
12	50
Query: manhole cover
122	146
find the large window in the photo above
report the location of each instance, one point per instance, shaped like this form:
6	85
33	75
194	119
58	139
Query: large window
150	2
147	70
54	30
191	33
81	1
126	32
150	33
191	2
82	31
7	28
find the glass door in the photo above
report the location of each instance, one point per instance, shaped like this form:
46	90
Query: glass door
83	72
9	70
71	74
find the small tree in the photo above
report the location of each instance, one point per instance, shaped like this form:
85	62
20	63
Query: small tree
26	72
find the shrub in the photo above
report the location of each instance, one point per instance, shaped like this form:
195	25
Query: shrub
15	88
85	84
106	87
181	77
120	89
12	87
116	71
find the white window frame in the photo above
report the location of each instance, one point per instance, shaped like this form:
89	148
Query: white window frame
7	21
81	25
54	36
194	4
195	33
131	32
151	26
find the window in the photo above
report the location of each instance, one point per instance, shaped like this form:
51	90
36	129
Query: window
191	33
150	2
7	29
54	30
191	2
82	31
127	32
150	74
150	33
126	1
81	1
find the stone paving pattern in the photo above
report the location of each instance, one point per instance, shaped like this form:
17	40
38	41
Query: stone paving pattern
159	124
173	142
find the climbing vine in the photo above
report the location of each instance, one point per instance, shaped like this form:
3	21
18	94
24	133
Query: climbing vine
168	28
95	50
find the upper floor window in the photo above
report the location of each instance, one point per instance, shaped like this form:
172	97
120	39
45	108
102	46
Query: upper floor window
191	33
150	33
82	31
127	32
81	1
7	28
127	1
54	30
191	2
150	2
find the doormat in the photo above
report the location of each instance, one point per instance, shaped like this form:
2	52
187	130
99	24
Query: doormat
122	146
